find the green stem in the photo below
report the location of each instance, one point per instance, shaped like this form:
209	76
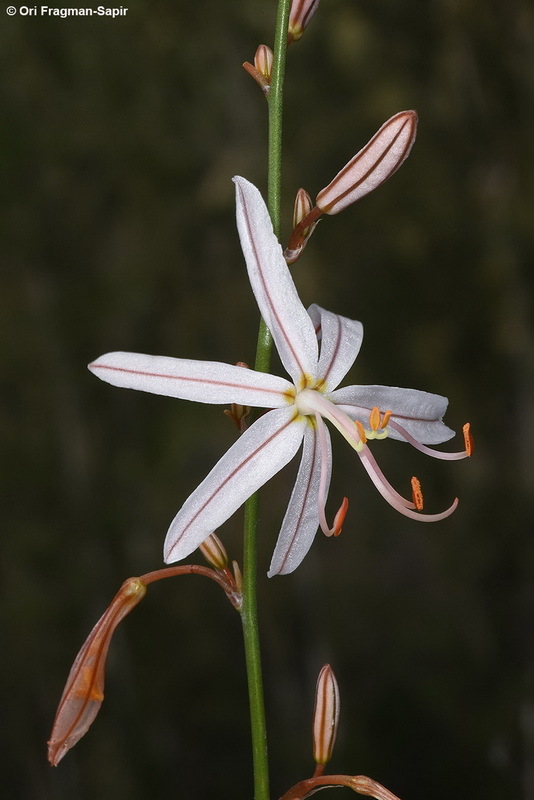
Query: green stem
249	611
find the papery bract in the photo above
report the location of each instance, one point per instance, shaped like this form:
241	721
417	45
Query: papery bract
298	407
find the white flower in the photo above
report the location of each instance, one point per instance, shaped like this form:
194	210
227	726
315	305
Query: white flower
298	407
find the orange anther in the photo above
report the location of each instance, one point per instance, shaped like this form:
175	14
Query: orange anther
374	418
361	431
468	439
386	418
339	519
417	494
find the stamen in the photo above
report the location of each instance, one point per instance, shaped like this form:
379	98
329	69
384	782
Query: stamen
361	431
394	425
374	418
339	519
417	494
468	439
385	418
381	482
395	500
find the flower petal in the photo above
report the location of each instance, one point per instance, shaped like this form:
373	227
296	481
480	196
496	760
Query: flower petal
259	453
301	519
341	339
273	286
419	412
201	381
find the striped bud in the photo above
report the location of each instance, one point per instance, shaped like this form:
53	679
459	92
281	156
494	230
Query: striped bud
301	13
325	715
374	164
303	206
213	551
299	238
262	68
263	61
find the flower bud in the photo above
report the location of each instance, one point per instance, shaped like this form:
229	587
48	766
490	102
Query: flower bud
299	16
213	551
262	68
373	165
299	238
325	715
84	690
263	61
303	206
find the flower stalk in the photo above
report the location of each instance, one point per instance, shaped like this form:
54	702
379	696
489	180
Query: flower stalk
249	610
84	691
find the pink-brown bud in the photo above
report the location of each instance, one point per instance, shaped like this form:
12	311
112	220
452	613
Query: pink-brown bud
84	690
303	206
301	13
214	552
299	238
373	165
263	61
325	715
262	68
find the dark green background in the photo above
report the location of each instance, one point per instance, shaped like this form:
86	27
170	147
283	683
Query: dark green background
118	142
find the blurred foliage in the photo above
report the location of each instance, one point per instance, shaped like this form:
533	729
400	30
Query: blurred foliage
119	139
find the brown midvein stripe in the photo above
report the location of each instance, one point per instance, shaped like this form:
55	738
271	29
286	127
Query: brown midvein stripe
267	294
183	378
233	474
306	495
309	13
336	350
384	154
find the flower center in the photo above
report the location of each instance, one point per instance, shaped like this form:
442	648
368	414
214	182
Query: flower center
310	402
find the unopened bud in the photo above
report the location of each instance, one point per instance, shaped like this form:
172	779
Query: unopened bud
301	13
263	61
262	68
373	165
213	551
325	715
303	206
301	232
84	690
